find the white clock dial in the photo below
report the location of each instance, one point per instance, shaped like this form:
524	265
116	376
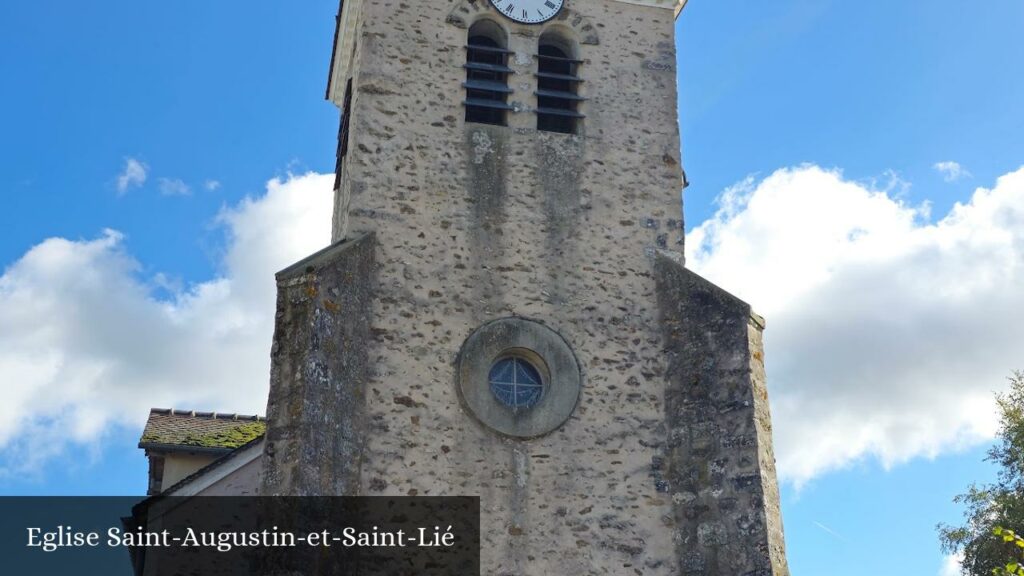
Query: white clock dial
529	11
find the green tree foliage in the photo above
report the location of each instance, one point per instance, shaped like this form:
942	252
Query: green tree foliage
1014	565
985	539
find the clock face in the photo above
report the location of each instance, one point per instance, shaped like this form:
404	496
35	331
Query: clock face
529	11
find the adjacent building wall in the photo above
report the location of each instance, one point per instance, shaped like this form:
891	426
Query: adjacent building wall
178	466
244	481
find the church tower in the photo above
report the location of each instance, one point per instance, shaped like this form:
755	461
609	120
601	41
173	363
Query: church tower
505	311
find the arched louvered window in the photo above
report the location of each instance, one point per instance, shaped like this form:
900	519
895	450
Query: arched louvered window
557	86
487	74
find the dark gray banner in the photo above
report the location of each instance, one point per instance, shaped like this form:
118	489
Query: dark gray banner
268	536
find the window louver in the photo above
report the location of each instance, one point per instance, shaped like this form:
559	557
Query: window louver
557	91
486	81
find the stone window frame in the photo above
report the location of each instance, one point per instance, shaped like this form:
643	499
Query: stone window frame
546	349
487	73
558	82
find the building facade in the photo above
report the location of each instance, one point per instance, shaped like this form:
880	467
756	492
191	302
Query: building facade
505	310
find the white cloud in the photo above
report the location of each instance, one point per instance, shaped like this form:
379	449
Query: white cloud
951	565
951	171
133	175
86	344
174	187
212	185
886	334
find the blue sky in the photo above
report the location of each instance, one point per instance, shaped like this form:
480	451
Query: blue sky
833	99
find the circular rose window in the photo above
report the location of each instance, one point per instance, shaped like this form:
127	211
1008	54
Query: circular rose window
516	383
518	377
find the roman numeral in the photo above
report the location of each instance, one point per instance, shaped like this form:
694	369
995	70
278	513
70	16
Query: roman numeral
521	10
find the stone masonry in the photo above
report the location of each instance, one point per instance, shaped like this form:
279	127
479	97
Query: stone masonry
441	226
318	371
719	464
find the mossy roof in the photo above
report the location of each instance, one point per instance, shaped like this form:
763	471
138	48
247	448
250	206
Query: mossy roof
199	431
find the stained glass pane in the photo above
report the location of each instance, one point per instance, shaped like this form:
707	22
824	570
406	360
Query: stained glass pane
516	383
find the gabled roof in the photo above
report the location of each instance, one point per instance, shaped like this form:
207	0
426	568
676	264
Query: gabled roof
219	468
191	431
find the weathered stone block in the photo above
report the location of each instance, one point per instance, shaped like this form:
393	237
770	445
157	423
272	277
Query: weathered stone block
316	423
714	353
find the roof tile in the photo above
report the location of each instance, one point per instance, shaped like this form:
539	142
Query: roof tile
185	429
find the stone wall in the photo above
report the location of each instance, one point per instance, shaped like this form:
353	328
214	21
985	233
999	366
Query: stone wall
478	222
316	423
719	465
474	223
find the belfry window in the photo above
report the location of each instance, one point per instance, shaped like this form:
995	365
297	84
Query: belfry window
557	87
487	74
343	129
